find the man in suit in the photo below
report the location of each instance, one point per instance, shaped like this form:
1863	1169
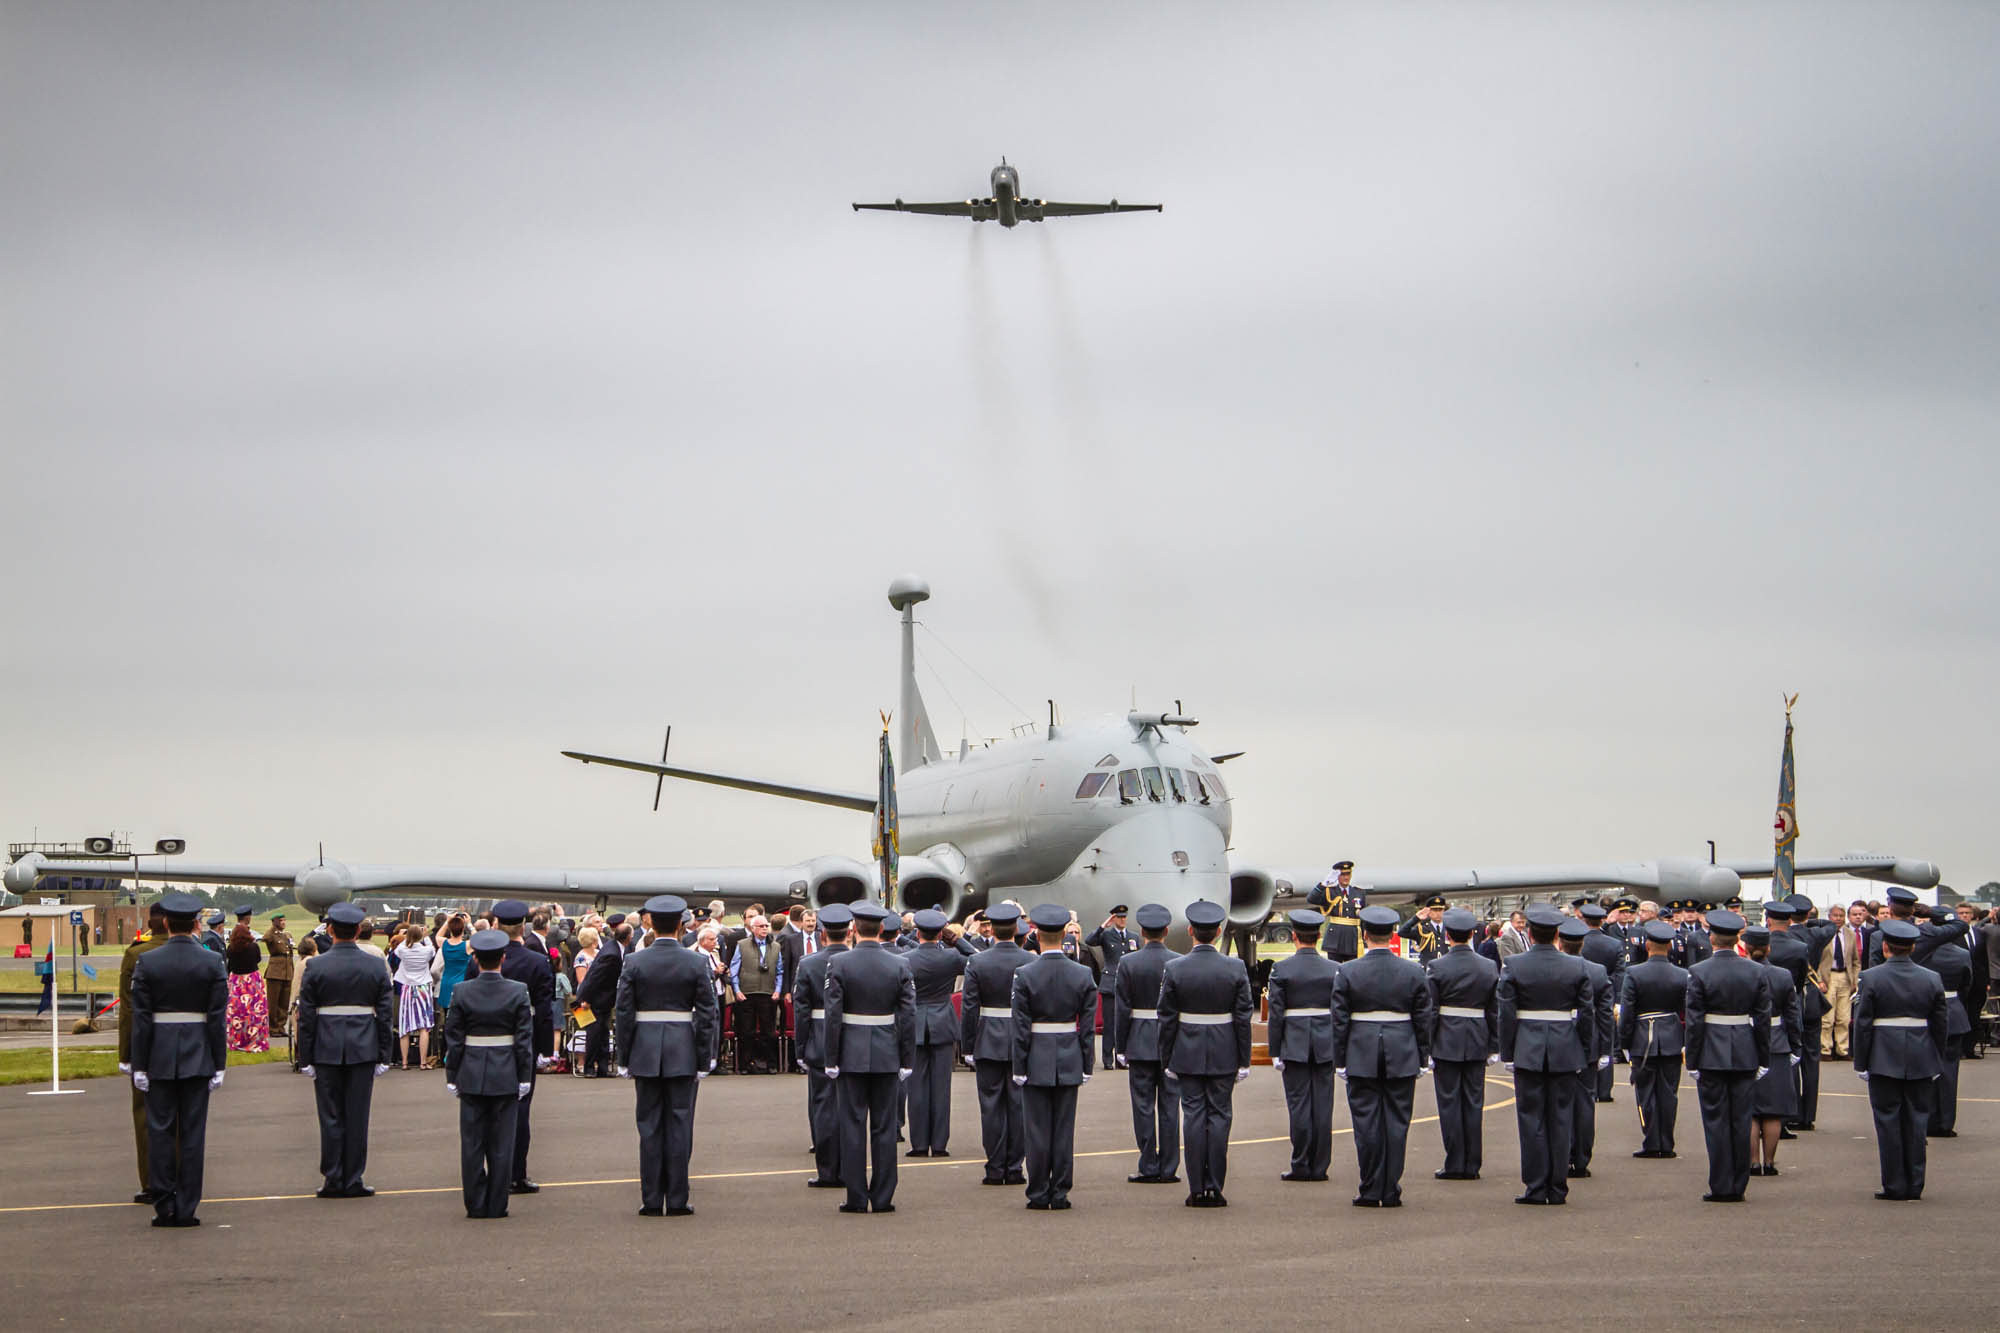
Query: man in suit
1465	1038
935	971
1571	937
1514	938
600	991
1728	1039
668	1034
756	979
346	1040
1341	903
871	1034
489	1056
1301	1045
1838	965
1608	952
1205	1040
1055	1001
798	941
1649	1032
1545	1030
1900	1024
1381	1042
178	1051
1975	943
278	974
986	1036
1155	1093
809	1026
154	936
1953	965
531	967
1112	942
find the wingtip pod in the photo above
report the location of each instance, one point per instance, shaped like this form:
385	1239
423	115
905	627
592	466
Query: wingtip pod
20	877
1910	873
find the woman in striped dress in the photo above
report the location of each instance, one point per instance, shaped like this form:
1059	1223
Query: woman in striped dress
415	1012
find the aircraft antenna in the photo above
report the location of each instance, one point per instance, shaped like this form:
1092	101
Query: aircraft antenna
661	780
1003	696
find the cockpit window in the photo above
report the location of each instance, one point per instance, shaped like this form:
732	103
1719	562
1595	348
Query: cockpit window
1092	784
1212	784
1174	784
1194	791
1156	786
1129	789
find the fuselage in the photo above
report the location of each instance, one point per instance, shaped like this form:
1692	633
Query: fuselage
1006	186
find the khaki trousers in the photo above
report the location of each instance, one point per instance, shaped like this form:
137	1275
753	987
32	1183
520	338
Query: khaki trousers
1840	988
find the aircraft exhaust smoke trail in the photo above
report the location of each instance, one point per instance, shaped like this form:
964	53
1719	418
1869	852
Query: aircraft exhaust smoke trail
1071	361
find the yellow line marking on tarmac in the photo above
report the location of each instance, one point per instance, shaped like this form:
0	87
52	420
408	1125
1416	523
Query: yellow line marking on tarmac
716	1175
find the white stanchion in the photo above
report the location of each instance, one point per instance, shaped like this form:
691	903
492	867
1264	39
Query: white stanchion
55	1088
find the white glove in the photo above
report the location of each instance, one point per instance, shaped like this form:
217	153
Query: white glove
1342	1071
711	1066
544	1063
124	1068
521	1090
1494	1059
1694	1077
381	1070
216	1081
1508	1065
832	1072
451	1088
1086	1078
1277	1064
1430	1067
1763	1070
1020	1080
701	1074
1796	1059
1604	1062
307	1070
902	1074
1863	1074
971	1063
623	1072
142	1080
1242	1074
800	1063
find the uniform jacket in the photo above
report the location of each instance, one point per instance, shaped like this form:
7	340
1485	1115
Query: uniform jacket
1139	977
1462	979
868	980
1898	988
1692	946
1791	952
1428	937
1953	965
279	945
1608	952
809	1005
600	980
1649	1010
1205	982
670	977
1302	981
1378	982
1930	935
1603	1027
989	984
935	969
1728	985
125	969
179	977
1787	1014
1544	980
1342	932
1053	989
349	976
1112	944
531	967
488	1005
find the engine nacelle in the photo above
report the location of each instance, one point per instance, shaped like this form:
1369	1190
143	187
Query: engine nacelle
836	879
1251	891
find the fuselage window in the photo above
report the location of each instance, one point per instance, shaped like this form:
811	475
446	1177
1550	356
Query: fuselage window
1129	789
1093	783
1174	784
1156	786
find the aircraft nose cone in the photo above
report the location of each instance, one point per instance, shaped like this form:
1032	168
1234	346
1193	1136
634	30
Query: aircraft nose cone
1165	854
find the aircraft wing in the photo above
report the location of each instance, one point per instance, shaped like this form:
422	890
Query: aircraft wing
1037	209
979	210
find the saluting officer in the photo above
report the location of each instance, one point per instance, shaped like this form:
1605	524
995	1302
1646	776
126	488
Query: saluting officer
1055	999
1602	1032
809	1027
180	1047
1953	964
1649	1032
489	1055
1155	1092
1693	944
1381	1042
1424	930
1608	952
1465	992
1728	1012
1899	1035
668	1034
1794	943
1113	941
871	1033
936	971
1337	897
1205	1041
1545	1029
1930	934
530	967
1301	1045
986	1035
346	1039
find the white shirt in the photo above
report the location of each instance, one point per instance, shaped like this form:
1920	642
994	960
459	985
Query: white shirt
413	963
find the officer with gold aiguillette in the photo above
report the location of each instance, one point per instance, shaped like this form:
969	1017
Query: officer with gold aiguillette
1340	902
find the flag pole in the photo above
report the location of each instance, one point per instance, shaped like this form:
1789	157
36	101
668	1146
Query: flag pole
55	1089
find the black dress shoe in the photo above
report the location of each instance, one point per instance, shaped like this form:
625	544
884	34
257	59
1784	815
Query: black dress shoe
884	1208
360	1192
854	1208
650	1212
1535	1199
1390	1203
524	1187
1579	1173
1215	1199
678	1212
1360	1202
1883	1195
939	1152
328	1192
1191	1201
1784	1133
1645	1152
143	1196
918	1152
1058	1205
1771	1170
1017	1180
992	1180
185	1222
1294	1175
168	1221
1142	1180
1170	1180
1803	1126
815	1183
1603	1100
1942	1134
1036	1206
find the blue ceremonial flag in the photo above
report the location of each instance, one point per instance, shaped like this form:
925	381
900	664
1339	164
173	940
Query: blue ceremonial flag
1786	827
885	820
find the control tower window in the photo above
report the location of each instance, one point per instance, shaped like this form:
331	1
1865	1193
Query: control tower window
1156	786
1129	789
1092	784
1174	784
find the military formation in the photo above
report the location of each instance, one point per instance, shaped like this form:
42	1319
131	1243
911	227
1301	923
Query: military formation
1737	1008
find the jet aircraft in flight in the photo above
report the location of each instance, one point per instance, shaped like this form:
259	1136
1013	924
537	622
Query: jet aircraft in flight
1007	206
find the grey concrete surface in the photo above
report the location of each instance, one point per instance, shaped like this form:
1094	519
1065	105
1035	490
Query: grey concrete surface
1635	1245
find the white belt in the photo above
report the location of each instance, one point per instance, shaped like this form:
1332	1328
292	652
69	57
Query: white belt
1777	1020
1207	1020
1662	1014
665	1015
346	1011
180	1017
1380	1016
1459	1011
869	1020
1902	1022
995	1011
1546	1015
1052	1029
489	1041
1308	1012
817	1013
1728	1020
1143	1013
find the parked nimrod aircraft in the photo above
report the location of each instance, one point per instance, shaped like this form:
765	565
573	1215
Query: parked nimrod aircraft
1127	809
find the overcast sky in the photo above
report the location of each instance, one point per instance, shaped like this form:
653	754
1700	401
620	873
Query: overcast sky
1511	402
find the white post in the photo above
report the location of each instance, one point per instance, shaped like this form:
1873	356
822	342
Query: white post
55	1088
